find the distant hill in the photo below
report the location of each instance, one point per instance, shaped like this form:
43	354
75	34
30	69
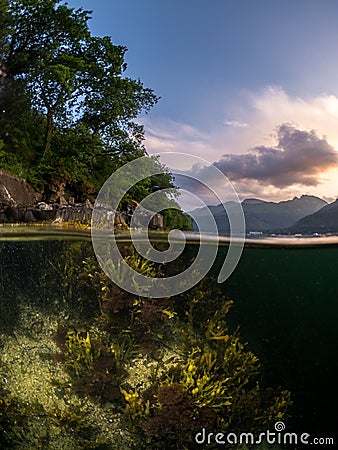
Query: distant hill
266	216
323	221
252	201
263	216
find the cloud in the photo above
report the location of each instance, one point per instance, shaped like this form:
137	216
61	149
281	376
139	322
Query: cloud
251	122
235	124
300	157
164	135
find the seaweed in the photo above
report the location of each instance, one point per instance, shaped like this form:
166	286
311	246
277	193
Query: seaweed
216	385
79	353
168	366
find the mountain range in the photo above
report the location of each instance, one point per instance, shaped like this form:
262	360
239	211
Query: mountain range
323	221
305	214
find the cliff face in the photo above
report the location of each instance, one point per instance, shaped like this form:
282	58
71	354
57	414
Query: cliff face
15	192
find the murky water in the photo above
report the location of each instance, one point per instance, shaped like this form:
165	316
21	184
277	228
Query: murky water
87	365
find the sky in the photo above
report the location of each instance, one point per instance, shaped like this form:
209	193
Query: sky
249	85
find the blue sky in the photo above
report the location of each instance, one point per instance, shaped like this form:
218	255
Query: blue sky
231	74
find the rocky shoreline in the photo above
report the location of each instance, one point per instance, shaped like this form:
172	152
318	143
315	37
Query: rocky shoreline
40	213
44	213
21	204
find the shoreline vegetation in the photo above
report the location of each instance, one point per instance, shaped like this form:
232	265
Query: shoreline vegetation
68	114
21	203
69	119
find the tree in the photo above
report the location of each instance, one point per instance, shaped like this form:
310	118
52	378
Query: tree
67	112
108	99
39	50
47	36
70	76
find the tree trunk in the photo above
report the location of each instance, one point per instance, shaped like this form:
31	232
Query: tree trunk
96	132
49	133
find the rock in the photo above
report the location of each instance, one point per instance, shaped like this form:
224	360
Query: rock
14	214
88	204
44	206
16	192
119	220
5	197
55	192
62	201
29	216
19	202
3	218
78	214
44	214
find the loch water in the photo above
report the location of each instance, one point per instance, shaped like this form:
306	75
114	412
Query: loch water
285	306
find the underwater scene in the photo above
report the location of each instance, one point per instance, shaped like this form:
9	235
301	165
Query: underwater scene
87	365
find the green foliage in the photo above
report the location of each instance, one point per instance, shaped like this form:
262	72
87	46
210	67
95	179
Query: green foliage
66	110
123	348
174	218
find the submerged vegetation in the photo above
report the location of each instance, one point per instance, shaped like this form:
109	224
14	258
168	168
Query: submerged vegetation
108	369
